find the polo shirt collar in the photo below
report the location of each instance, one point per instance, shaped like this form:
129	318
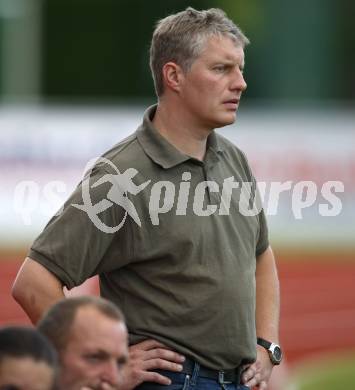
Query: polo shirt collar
159	149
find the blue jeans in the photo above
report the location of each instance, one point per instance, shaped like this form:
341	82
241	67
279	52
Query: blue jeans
181	381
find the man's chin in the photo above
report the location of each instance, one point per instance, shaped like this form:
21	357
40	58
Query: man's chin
227	119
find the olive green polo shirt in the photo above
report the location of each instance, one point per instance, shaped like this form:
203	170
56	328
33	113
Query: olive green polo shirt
155	225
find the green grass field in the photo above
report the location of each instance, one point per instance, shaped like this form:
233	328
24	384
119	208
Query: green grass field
327	374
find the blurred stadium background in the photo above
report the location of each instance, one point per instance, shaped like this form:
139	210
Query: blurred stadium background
74	80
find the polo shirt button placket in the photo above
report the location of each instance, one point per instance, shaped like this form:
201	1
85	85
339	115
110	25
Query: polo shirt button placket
213	196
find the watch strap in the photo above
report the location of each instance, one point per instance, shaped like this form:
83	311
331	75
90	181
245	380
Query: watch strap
264	343
273	349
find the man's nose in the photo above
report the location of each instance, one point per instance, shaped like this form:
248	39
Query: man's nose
111	373
238	82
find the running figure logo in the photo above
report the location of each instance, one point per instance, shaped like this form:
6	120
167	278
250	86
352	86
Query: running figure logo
122	185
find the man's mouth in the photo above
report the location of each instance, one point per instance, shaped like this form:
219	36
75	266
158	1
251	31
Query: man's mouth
235	101
231	103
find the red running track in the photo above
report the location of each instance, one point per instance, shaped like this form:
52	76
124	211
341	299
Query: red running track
318	308
317	311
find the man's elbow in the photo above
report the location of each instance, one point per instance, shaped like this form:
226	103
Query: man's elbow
18	290
36	288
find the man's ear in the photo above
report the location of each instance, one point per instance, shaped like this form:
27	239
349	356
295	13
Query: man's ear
173	76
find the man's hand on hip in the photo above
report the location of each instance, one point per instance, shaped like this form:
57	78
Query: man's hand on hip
258	373
146	356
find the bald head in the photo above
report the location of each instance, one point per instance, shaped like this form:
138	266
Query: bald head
94	348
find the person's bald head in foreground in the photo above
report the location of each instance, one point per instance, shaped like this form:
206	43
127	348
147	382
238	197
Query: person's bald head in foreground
91	339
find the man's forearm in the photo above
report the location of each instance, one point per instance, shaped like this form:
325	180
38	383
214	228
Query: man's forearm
267	297
36	289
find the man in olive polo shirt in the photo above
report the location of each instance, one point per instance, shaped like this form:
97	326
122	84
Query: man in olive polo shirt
168	219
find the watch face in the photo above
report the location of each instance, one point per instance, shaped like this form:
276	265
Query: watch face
277	354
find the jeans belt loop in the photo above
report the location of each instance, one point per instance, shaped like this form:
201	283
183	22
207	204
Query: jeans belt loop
221	377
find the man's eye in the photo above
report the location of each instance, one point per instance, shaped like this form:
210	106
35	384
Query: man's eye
219	69
121	364
93	358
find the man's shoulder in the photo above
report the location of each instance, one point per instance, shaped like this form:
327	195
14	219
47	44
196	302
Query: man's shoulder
128	154
123	149
125	154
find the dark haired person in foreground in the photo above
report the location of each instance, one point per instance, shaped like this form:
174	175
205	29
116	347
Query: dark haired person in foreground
27	360
176	246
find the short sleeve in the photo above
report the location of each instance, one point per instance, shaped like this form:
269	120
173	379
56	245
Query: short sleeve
74	246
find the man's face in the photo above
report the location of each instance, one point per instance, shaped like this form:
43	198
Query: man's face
212	88
25	373
97	349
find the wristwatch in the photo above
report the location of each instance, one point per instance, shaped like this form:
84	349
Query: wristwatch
274	350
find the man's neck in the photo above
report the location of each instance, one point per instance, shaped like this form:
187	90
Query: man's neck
181	131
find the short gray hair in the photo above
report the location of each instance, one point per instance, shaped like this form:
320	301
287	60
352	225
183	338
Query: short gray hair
180	38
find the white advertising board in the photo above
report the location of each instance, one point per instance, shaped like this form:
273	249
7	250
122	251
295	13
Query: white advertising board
304	162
